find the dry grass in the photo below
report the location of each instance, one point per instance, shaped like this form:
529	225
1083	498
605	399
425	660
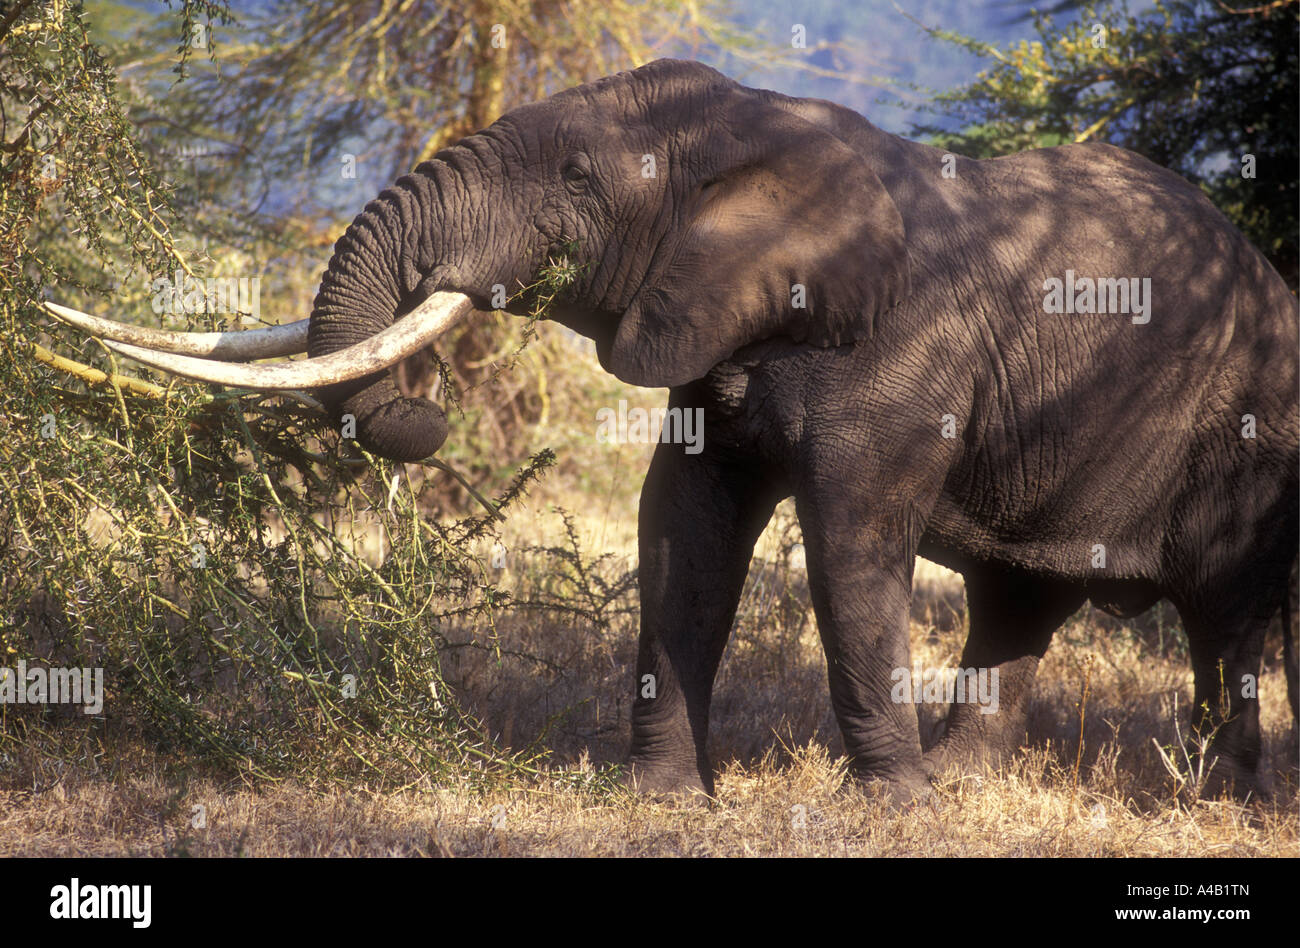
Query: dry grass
780	786
765	810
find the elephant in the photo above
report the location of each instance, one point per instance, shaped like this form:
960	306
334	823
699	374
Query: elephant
1063	374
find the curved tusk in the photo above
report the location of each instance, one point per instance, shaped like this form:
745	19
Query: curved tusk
242	346
413	332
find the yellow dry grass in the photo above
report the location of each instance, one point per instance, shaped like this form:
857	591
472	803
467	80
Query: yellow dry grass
794	809
781	788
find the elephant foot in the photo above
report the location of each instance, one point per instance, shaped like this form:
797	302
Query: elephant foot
1236	780
944	755
667	783
901	791
972	750
941	763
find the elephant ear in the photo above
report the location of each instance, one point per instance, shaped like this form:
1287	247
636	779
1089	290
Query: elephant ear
792	234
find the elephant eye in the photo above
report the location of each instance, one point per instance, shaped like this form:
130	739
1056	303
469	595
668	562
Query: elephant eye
574	172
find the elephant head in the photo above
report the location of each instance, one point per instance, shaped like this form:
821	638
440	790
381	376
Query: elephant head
706	216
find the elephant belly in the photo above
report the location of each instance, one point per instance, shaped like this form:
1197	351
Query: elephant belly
1122	598
1052	547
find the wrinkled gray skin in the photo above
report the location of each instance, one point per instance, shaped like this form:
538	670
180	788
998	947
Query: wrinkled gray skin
924	299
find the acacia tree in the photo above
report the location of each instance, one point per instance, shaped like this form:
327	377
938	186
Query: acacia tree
1207	88
207	551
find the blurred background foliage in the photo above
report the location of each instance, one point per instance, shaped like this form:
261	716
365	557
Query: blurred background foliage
223	555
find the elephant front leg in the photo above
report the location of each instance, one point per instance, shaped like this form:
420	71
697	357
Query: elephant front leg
861	592
698	523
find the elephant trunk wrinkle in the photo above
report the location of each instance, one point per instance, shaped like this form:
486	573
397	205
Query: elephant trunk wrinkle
390	258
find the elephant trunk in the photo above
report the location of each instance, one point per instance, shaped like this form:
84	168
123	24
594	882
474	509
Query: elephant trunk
394	254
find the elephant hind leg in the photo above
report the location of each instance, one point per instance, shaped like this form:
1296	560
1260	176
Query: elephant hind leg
1289	662
1227	650
1227	615
1012	617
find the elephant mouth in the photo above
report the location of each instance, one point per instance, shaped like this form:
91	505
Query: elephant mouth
599	326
